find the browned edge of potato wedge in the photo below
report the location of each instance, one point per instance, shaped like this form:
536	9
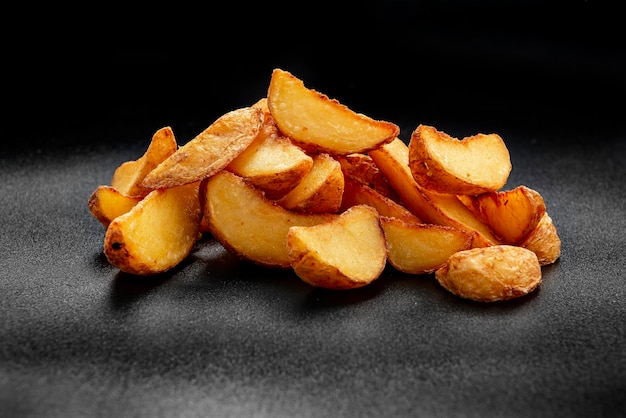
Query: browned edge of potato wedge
345	253
476	164
250	225
210	151
107	203
157	233
490	274
417	248
544	241
297	109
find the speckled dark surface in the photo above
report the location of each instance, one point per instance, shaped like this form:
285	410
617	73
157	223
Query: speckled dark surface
220	337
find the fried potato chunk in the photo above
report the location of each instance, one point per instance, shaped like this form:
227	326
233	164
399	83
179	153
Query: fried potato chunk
362	167
107	203
320	190
491	274
415	248
544	241
346	253
357	193
272	162
431	207
210	151
157	233
473	165
128	177
320	124
250	225
511	214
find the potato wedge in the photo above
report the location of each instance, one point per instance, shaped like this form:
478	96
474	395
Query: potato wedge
210	151
429	206
511	214
128	177
250	225
357	193
476	164
363	168
346	253
544	241
320	190
421	248
157	233
321	124
490	274
272	162
107	203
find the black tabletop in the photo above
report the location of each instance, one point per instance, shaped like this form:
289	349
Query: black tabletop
218	336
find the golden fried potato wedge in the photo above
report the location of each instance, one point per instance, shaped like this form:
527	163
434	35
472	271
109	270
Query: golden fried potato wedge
511	214
346	253
357	193
210	151
431	207
421	248
321	124
363	167
544	241
107	203
157	233
128	177
490	274
473	165
320	190
272	162
250	225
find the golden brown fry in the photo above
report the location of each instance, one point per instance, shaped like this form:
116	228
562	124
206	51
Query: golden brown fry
128	177
429	206
421	248
210	151
544	241
320	190
511	214
298	113
490	274
157	233
473	165
250	225
345	253
107	203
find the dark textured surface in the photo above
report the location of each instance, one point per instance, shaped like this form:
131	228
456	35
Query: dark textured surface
220	337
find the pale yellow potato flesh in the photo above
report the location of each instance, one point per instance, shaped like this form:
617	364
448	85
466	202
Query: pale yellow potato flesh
107	203
511	214
210	151
430	207
157	233
544	241
320	190
320	124
490	274
415	248
272	162
250	225
476	164
128	177
346	253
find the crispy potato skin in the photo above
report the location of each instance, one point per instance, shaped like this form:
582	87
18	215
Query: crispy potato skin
544	241
346	253
490	274
107	203
473	165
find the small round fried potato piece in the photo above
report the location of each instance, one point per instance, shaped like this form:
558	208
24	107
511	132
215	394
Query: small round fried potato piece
345	253
544	241
473	165
491	274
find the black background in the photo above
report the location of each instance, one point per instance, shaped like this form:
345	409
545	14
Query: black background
85	90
